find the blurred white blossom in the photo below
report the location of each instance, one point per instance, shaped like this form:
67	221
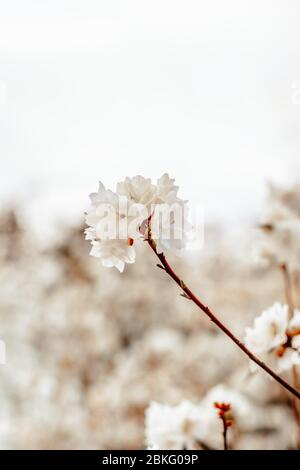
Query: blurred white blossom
277	242
190	426
174	427
294	324
274	337
269	330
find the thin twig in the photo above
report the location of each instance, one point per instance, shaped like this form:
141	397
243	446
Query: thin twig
218	323
225	429
223	410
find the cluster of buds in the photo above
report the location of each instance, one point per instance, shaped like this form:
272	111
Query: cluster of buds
224	412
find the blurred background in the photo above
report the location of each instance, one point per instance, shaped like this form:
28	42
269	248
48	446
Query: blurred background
207	91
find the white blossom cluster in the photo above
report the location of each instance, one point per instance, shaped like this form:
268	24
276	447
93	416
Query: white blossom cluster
192	426
118	219
279	229
275	337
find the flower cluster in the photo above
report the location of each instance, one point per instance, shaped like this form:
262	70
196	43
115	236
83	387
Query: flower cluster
275	337
137	210
279	229
190	426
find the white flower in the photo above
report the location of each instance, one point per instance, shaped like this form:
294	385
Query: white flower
169	223
174	427
296	343
294	325
168	227
111	216
289	359
166	190
138	208
291	356
113	253
103	196
110	229
278	240
279	244
276	338
269	329
141	190
138	190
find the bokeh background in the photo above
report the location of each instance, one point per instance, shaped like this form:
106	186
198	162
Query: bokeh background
207	91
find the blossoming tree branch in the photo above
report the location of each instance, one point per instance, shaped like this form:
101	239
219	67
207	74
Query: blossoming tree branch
142	211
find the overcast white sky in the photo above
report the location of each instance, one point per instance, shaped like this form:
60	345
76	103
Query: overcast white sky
103	89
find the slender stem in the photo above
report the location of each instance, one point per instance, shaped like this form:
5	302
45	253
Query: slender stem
225	429
189	294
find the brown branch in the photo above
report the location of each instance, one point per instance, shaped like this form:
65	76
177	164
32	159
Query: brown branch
218	323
